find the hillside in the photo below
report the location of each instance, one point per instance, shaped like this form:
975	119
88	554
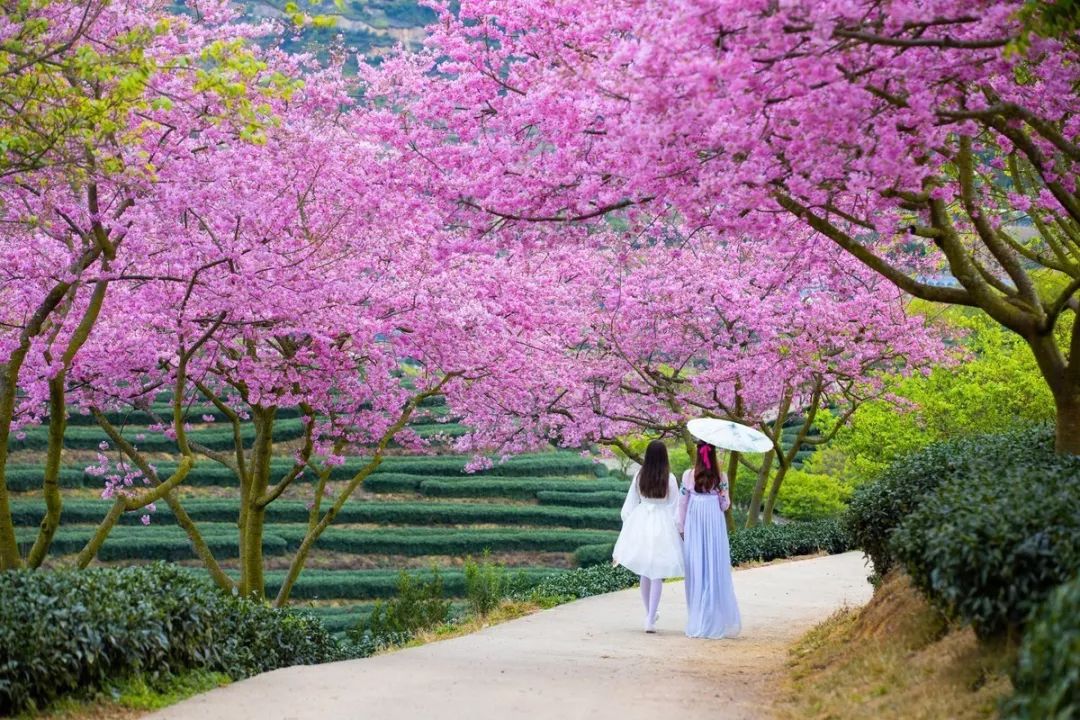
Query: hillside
367	27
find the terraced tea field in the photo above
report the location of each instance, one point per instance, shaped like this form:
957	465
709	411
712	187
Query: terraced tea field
536	513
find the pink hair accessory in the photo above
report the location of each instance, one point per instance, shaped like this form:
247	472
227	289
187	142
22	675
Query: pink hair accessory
703	451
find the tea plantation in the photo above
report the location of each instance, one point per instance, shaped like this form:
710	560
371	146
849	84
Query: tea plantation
537	514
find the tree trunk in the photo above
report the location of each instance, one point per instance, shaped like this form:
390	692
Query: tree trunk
9	547
753	516
1067	425
51	488
253	580
732	473
774	492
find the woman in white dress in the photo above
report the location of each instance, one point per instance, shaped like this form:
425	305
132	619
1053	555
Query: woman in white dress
649	543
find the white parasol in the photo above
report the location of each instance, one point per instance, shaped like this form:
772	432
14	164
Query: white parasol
729	435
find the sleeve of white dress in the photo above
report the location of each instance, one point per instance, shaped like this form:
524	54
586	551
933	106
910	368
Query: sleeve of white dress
725	496
684	501
671	501
632	499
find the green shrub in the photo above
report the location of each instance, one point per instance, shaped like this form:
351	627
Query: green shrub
88	437
21	478
418	541
1047	675
878	507
806	496
523	488
169	542
771	542
28	513
989	545
485	584
151	543
68	631
375	584
418	604
581	583
602	498
598	554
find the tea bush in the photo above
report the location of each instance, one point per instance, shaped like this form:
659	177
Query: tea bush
68	631
1047	675
878	507
987	548
485	584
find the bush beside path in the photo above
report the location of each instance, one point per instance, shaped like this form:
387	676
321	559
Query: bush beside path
585	659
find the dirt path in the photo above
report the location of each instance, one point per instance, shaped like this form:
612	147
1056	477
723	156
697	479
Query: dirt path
588	659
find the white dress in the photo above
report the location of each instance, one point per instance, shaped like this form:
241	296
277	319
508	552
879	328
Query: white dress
649	543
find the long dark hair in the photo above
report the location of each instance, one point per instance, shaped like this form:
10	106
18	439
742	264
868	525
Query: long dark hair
706	472
653	478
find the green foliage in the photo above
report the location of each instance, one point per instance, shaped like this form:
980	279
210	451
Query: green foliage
28	477
419	541
1047	675
28	513
485	584
142	693
771	542
878	508
171	542
598	554
68	631
999	533
375	584
994	390
521	488
581	583
88	437
809	496
151	543
21	478
418	604
599	499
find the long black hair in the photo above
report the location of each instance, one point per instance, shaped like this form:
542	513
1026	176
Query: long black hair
706	469
653	478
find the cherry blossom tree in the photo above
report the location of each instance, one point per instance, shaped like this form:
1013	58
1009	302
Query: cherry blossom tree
102	98
934	141
731	330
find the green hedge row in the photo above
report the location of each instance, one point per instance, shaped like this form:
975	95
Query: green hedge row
74	631
377	584
598	499
760	544
28	513
772	542
86	437
596	554
1047	675
580	583
22	478
193	413
438	541
523	488
171	543
989	548
151	543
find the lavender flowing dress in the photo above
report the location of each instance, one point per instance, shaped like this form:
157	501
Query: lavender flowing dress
712	611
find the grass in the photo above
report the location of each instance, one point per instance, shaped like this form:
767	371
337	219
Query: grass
506	611
132	697
895	659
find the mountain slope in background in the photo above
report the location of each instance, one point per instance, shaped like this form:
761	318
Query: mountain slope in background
367	27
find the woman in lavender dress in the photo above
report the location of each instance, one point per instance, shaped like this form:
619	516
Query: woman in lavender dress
712	611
